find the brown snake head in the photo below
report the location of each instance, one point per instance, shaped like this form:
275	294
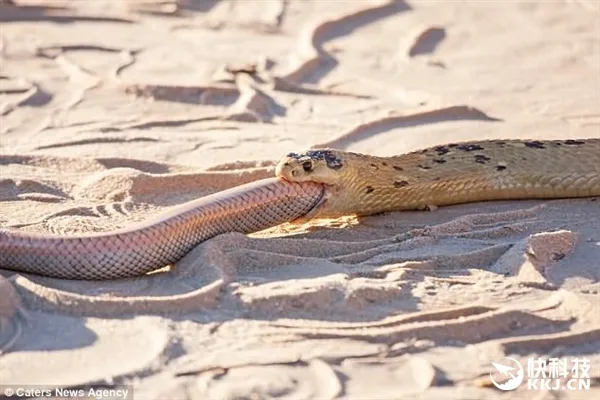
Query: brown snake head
339	170
322	166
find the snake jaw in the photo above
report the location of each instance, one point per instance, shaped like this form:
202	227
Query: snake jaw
289	171
305	169
317	208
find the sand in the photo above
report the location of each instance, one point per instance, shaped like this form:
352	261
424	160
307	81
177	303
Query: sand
113	111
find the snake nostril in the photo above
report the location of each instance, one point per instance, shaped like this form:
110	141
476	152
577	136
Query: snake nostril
294	172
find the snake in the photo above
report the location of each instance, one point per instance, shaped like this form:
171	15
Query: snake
318	183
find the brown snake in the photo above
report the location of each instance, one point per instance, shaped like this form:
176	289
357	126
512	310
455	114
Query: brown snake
320	183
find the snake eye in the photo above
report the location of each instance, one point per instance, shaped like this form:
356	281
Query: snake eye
307	166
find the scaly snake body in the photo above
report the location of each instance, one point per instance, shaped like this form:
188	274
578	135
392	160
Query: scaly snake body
449	174
320	183
162	241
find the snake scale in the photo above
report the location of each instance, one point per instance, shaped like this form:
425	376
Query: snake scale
319	183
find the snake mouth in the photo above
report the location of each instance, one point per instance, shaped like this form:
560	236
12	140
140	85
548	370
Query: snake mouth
320	202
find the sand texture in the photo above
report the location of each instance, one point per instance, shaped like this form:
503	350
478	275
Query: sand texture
114	110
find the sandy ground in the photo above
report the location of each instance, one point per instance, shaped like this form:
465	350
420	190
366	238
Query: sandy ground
115	110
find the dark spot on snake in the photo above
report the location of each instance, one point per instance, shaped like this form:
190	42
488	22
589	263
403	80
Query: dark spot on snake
424	151
369	189
558	256
500	167
400	184
374	166
423	166
557	143
397	168
536	144
452	145
469	147
500	142
574	142
384	164
441	150
481	158
439	160
330	159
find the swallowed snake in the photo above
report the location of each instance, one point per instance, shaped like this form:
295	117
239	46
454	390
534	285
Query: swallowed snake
319	183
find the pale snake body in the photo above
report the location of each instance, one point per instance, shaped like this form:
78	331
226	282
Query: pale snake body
320	183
